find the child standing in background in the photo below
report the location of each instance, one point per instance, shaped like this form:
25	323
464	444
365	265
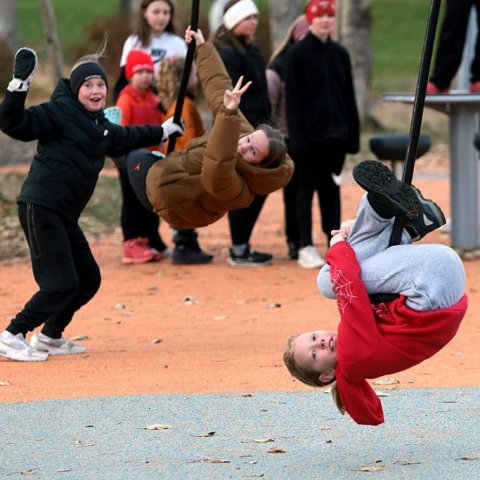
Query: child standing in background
155	34
323	123
74	137
170	76
139	106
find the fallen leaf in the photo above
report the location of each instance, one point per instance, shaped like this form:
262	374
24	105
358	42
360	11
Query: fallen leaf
4	383
155	341
209	460
119	306
219	317
158	426
263	440
372	468
30	471
80	337
276	450
189	300
274	305
468	457
208	434
325	428
386	381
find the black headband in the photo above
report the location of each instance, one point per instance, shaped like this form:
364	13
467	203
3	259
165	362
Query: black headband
84	72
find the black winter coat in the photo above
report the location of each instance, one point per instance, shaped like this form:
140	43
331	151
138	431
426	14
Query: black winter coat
255	104
71	150
320	96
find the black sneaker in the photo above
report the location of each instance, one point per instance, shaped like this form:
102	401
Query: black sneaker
429	218
293	248
250	258
190	256
396	197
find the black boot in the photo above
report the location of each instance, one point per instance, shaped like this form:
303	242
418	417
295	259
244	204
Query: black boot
187	250
390	197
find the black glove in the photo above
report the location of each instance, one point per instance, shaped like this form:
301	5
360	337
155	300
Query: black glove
23	68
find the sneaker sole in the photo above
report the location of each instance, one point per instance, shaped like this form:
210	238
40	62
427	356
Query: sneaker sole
375	177
16	355
246	263
56	351
310	266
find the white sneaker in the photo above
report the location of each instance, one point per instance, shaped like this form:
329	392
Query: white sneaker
15	347
55	346
308	257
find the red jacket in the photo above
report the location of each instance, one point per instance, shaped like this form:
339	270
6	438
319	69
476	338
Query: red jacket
139	108
377	340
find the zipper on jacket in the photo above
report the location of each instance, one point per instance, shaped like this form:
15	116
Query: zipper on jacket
32	234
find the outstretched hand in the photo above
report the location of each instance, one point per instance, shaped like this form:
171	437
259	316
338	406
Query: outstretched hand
231	98
194	35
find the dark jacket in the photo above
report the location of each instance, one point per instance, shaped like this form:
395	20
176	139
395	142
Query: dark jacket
241	58
71	150
320	94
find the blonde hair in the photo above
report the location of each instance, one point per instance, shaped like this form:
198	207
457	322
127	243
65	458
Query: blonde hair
287	39
307	376
169	78
91	57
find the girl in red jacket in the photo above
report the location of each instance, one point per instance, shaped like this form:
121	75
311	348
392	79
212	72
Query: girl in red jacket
376	339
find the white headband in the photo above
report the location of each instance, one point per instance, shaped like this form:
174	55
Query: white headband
238	12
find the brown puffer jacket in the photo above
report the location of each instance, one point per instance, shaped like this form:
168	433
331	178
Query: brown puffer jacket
197	186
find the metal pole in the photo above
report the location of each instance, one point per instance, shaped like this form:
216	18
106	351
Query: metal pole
418	106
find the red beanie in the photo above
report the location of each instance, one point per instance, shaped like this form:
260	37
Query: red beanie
318	8
137	60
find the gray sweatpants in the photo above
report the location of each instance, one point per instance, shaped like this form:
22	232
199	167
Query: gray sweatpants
431	276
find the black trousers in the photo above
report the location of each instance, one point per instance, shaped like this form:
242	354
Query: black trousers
135	219
290	192
315	170
63	267
243	220
452	40
137	164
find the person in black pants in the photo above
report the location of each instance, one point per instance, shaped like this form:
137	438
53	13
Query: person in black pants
233	41
322	121
74	137
450	47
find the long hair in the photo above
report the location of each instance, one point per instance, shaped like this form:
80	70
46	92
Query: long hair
309	377
143	30
288	39
277	147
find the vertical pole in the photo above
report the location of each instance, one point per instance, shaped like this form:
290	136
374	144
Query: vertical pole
418	106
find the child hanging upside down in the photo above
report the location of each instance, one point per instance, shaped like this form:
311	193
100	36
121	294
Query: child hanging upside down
384	338
222	170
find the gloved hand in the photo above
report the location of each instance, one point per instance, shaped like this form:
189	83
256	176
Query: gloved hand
170	127
23	68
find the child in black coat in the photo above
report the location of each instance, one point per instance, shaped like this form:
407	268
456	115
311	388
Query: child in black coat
74	137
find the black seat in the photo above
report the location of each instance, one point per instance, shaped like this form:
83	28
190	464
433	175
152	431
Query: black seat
476	141
393	148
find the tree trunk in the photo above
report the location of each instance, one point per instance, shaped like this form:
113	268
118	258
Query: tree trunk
354	26
53	45
9	24
282	14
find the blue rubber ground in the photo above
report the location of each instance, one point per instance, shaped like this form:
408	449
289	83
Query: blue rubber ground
429	434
